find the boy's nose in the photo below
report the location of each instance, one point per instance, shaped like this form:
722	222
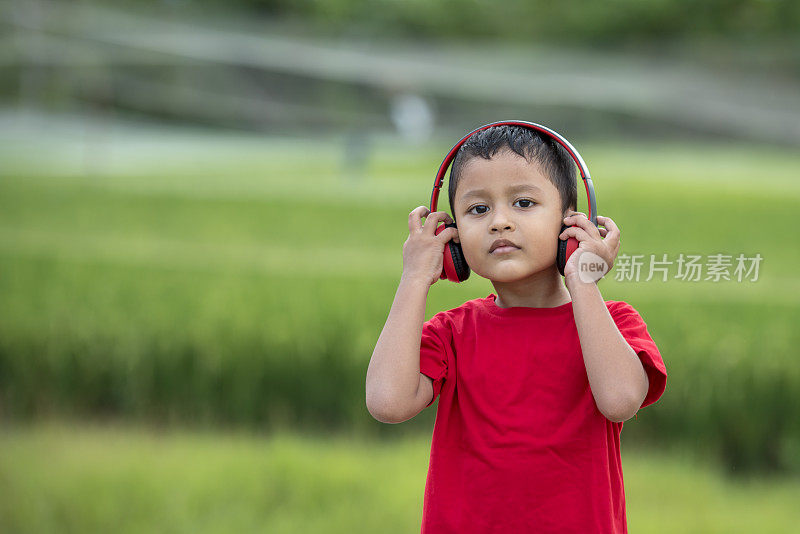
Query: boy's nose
496	227
501	223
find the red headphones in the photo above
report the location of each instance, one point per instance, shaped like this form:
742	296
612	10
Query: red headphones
455	266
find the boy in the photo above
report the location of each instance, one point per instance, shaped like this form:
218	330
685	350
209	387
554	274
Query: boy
534	381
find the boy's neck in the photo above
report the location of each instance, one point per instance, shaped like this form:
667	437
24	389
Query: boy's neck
544	289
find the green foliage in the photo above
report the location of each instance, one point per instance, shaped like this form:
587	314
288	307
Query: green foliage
582	21
215	292
120	479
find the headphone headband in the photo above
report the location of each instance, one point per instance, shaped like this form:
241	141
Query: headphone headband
576	157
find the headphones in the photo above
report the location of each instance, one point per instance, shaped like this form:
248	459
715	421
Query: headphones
455	267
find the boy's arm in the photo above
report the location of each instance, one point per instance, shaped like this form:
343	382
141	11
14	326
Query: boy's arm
393	376
616	375
618	380
395	388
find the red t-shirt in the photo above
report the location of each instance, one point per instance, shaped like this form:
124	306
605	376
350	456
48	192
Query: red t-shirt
519	444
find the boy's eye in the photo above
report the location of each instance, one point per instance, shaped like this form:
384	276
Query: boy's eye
476	207
525	203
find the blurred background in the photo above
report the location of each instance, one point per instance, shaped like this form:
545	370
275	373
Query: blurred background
202	212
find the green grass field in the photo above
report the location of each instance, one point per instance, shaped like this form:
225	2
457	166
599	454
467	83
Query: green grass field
235	283
59	478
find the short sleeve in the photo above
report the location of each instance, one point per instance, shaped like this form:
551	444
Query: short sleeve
634	330
435	351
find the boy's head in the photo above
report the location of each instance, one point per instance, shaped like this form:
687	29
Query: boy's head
511	182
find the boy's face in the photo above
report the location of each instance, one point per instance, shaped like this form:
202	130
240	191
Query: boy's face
506	197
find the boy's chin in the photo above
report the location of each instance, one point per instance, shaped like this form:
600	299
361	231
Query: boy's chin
508	274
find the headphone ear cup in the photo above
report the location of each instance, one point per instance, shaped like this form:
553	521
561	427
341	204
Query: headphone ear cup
454	266
460	268
565	249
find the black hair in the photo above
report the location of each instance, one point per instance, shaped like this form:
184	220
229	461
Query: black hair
557	164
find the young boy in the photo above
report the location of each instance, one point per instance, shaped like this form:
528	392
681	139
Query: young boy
534	381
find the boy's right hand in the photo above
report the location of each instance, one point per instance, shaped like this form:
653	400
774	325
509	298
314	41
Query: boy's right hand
423	251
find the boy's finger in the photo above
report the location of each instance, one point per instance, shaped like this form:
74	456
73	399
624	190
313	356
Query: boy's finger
576	232
447	234
581	221
611	226
571	213
432	221
415	218
607	222
447	218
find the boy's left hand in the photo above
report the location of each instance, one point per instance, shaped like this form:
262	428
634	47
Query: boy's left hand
601	241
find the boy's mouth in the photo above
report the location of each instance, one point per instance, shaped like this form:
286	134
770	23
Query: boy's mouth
502	246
